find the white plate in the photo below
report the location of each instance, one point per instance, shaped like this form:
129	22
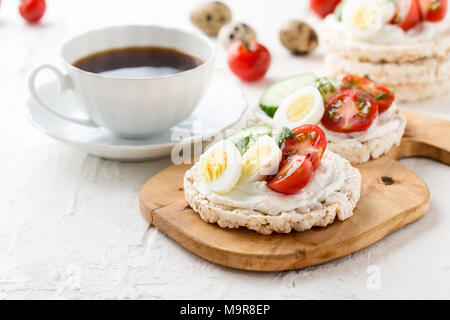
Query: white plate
221	107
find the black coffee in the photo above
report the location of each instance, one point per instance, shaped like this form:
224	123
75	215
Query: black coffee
138	62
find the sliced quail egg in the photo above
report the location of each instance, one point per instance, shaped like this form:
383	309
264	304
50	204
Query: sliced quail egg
221	167
261	160
387	9
362	19
304	106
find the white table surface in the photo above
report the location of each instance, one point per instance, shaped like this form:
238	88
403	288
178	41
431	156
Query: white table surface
70	225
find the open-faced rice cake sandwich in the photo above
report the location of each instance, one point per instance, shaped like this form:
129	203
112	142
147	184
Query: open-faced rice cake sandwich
273	182
360	118
402	44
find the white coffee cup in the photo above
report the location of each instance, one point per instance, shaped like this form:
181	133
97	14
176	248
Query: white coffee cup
136	107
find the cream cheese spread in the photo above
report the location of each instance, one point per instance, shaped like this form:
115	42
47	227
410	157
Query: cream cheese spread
325	182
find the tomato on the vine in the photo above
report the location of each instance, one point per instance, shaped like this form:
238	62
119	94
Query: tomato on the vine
249	60
32	10
349	110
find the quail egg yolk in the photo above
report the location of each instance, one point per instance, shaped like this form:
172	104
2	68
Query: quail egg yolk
213	165
300	107
256	158
364	16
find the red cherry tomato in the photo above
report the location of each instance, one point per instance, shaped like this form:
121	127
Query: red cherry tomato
433	10
308	140
32	10
407	14
323	7
381	95
349	110
248	60
354	81
294	174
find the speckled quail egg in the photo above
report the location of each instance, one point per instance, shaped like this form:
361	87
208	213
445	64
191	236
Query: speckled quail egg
236	31
298	37
210	17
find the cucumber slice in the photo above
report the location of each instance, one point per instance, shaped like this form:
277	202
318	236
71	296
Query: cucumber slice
276	93
255	130
244	138
338	11
269	110
327	86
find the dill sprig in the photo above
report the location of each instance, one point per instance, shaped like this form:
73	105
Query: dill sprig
285	134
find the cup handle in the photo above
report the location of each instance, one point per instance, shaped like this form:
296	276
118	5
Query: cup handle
64	84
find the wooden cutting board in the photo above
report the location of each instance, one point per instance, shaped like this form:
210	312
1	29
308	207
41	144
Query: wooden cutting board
391	197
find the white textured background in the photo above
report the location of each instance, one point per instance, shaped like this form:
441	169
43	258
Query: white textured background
70	225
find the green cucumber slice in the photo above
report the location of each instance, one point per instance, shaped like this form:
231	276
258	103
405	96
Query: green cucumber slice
270	111
244	138
327	86
276	93
338	11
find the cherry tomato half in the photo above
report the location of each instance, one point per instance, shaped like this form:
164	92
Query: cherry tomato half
349	110
32	10
354	81
308	140
433	10
248	60
323	7
294	174
381	95
407	14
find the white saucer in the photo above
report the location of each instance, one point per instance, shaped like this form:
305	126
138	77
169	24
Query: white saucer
221	107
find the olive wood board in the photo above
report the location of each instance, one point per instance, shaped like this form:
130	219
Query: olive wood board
391	197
